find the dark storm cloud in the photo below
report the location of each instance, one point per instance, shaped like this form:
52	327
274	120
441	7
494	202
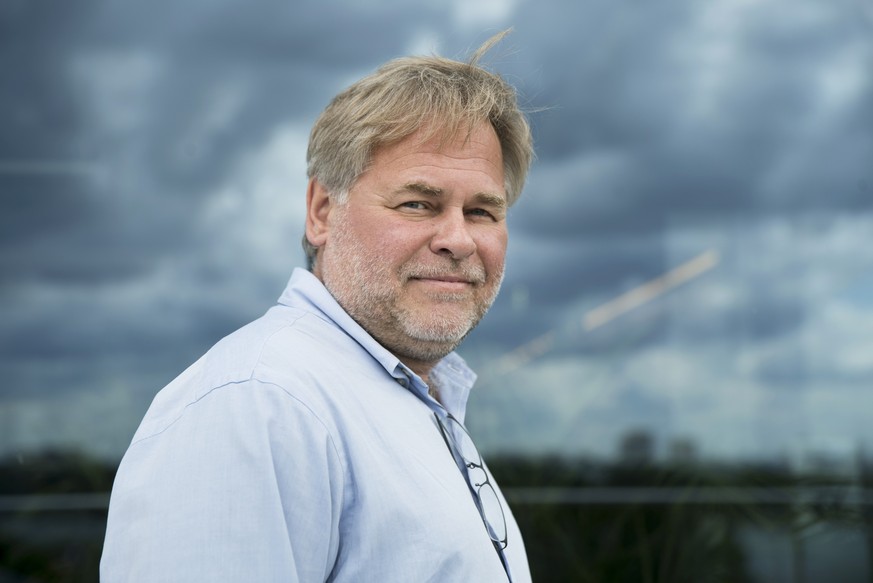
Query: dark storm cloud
653	123
557	272
39	120
279	62
649	118
644	124
303	56
765	288
109	158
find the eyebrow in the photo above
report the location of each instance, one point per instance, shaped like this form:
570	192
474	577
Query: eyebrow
486	198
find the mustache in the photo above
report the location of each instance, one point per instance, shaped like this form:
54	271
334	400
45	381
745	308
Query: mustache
468	272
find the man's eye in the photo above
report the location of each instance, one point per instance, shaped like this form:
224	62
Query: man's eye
414	204
480	213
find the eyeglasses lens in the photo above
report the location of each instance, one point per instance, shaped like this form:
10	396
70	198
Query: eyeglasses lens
492	509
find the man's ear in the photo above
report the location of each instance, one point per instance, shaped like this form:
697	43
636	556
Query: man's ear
318	207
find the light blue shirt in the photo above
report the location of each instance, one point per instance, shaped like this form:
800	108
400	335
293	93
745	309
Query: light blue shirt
300	449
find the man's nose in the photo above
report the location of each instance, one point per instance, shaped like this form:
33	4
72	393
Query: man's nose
452	237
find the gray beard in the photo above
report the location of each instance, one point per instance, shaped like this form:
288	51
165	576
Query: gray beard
362	285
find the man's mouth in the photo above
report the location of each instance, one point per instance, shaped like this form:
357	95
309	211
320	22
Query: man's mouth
444	283
471	276
445	278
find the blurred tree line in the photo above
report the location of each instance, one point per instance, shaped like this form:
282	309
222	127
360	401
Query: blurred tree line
53	513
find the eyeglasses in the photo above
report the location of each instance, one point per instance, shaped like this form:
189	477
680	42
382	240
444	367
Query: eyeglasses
486	498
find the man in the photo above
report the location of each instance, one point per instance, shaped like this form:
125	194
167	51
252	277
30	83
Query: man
324	441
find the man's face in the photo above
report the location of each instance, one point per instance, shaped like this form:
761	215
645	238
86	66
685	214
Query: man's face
416	254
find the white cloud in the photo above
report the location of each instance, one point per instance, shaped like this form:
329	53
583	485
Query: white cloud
99	419
797	391
483	12
584	405
256	218
426	41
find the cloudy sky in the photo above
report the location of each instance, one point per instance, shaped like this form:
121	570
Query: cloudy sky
704	186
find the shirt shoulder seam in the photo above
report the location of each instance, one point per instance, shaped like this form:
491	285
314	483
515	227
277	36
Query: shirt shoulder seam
302	403
257	360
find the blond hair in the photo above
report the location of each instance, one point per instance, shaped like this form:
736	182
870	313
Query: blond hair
438	95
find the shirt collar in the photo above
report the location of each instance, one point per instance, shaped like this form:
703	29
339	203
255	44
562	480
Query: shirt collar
451	374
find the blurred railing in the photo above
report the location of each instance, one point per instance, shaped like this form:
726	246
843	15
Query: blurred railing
828	495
